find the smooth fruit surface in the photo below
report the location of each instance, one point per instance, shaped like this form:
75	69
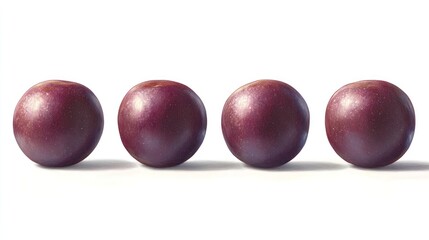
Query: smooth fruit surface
58	123
162	123
265	123
370	123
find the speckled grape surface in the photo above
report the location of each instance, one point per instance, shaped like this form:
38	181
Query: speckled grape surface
370	123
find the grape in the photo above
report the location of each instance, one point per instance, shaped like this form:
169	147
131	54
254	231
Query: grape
265	123
58	123
162	123
370	123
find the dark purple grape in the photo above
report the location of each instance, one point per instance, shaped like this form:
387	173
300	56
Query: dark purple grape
370	123
58	123
162	123
265	123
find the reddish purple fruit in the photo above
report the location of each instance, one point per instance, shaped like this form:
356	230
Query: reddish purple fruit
370	123
162	123
58	123
265	123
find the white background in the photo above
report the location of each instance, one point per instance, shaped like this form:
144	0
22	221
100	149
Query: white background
213	47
